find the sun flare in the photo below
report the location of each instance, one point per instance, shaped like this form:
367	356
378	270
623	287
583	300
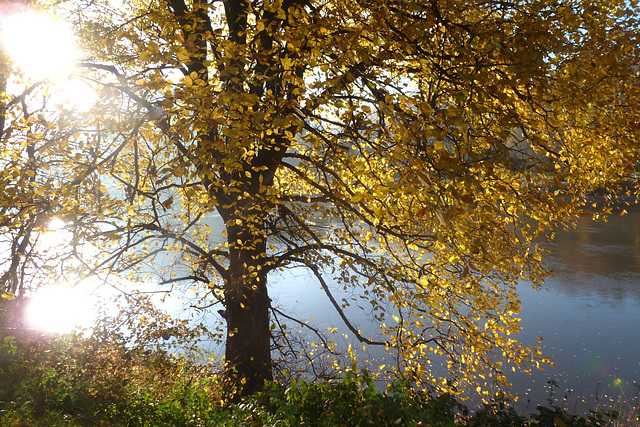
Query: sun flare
60	309
40	45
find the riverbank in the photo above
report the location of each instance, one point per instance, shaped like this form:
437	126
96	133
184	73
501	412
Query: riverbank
75	381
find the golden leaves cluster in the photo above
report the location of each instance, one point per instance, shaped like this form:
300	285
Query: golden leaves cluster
411	150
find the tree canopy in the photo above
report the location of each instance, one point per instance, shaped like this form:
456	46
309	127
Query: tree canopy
412	150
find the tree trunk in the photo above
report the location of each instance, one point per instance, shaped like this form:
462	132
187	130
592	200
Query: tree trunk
248	346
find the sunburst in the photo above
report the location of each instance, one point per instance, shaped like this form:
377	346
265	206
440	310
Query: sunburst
60	309
40	45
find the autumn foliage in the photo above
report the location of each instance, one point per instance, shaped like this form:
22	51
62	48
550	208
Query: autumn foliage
409	150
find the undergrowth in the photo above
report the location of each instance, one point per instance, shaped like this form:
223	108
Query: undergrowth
76	381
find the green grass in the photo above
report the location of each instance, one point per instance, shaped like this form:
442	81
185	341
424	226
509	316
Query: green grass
76	381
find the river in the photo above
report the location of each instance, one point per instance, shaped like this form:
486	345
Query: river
588	314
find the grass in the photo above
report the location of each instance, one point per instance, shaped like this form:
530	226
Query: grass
76	381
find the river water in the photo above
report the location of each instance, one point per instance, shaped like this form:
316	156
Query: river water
588	315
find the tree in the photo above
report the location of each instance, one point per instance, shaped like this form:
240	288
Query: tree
30	172
440	138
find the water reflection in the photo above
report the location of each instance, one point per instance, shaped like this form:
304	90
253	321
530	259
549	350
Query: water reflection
588	314
601	259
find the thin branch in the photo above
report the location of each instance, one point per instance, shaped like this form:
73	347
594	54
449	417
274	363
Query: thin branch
208	256
335	304
316	332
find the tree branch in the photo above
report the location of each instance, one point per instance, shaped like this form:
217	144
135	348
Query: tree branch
335	304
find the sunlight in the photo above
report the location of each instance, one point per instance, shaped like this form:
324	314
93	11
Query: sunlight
56	224
40	45
60	309
56	238
76	93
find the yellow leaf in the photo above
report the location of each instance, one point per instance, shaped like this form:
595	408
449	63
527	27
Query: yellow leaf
183	56
357	198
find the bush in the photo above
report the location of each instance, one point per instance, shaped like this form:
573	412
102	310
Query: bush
89	381
72	380
354	401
